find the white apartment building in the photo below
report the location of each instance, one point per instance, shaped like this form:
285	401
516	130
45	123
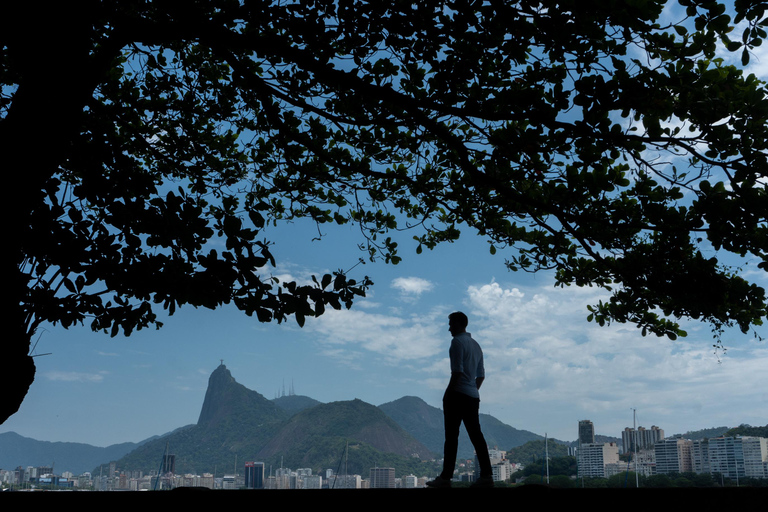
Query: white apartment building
344	482
733	457
312	482
615	468
501	472
593	457
496	455
410	481
700	456
673	456
726	457
644	462
755	450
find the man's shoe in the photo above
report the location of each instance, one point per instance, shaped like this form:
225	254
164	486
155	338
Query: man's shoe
483	481
439	482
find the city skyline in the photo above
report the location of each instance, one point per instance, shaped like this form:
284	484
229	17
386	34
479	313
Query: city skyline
718	457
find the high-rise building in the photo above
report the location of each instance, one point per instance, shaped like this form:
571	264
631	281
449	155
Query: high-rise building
673	456
312	482
643	462
635	440
586	438
726	457
207	480
254	475
344	482
700	456
382	478
586	432
755	451
593	458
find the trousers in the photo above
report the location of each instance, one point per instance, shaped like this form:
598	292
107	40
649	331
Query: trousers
458	408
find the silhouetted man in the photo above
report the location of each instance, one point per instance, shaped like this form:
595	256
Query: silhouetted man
461	402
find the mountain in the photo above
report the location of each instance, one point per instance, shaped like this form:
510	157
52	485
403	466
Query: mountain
502	436
537	450
352	419
238	424
747	430
227	402
234	422
316	437
599	438
420	419
703	434
425	423
295	403
16	450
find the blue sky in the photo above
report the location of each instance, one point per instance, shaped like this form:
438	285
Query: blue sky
547	367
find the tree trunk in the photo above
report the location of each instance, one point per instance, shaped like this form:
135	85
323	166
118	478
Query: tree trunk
17	367
48	47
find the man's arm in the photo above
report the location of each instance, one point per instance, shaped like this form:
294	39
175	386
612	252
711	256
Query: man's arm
479	382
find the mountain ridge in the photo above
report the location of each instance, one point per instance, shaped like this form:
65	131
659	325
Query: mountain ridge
17	450
235	421
369	424
425	423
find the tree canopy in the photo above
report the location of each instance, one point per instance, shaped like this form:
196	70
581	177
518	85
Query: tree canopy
604	140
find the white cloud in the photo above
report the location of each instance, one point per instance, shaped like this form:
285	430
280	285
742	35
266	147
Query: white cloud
542	354
548	367
412	287
395	338
74	376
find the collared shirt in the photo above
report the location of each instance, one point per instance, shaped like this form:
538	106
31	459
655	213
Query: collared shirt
466	360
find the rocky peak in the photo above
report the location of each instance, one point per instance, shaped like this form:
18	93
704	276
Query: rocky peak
226	398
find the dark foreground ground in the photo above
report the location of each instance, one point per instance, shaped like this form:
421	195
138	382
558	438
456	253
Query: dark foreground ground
402	500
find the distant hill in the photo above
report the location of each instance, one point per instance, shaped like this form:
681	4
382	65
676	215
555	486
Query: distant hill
602	439
425	423
748	430
703	434
536	451
295	403
420	419
16	450
316	437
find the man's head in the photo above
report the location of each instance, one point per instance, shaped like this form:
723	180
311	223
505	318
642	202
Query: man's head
457	323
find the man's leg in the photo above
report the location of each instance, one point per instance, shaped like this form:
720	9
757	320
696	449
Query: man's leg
472	424
452	419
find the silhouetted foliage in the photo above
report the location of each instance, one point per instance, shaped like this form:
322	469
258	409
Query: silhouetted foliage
747	430
534	451
594	138
705	433
677	480
536	472
561	482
